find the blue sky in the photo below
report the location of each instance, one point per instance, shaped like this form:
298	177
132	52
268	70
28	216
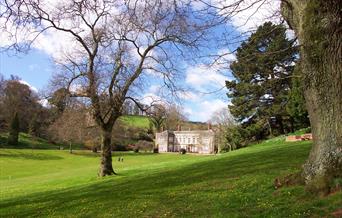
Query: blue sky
36	68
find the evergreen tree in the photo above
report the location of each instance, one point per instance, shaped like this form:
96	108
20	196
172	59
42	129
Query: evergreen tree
262	74
296	104
34	126
158	117
14	130
60	99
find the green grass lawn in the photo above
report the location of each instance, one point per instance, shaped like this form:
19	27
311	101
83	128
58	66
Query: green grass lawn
52	183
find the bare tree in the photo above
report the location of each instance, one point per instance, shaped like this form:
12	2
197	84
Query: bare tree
2	106
70	127
158	117
116	43
222	119
174	117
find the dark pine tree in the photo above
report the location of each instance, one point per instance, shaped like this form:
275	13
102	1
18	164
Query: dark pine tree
296	104
262	74
14	130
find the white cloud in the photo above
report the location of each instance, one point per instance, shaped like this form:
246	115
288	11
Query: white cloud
58	45
154	89
202	77
29	85
203	110
44	103
190	96
246	15
227	56
151	98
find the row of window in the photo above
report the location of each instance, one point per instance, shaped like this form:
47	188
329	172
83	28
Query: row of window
188	140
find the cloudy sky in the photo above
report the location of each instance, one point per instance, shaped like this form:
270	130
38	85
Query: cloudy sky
206	93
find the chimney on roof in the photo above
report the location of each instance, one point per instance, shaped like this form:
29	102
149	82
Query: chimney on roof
179	127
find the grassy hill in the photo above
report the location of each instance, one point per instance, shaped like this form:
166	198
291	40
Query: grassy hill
143	122
52	183
27	141
135	121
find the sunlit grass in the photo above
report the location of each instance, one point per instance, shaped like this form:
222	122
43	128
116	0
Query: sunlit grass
51	183
135	121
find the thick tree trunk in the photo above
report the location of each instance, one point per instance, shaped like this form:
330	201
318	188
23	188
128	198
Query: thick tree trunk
292	128
106	167
317	24
281	124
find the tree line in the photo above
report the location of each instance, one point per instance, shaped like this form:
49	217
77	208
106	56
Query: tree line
67	121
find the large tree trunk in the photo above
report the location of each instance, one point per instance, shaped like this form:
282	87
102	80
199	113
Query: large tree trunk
106	167
317	24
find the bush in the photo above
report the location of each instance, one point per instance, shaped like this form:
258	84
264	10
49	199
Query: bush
130	147
182	151
155	150
92	145
308	130
144	145
119	147
144	136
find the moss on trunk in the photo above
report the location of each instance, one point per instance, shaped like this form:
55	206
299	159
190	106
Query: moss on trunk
317	24
106	168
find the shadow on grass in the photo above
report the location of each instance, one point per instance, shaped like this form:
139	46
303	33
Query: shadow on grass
159	192
26	155
88	153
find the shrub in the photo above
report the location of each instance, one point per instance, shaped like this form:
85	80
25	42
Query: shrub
119	147
144	145
91	145
144	136
308	130
130	147
182	151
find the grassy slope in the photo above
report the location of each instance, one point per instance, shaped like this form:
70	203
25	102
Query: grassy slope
135	121
27	141
237	184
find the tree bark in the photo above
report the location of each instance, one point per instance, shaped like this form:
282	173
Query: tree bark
317	24
281	124
292	128
106	168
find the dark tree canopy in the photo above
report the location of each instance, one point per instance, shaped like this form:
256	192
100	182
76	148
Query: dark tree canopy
14	130
262	72
296	107
18	97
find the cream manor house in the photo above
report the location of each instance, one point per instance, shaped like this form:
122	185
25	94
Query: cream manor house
194	141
